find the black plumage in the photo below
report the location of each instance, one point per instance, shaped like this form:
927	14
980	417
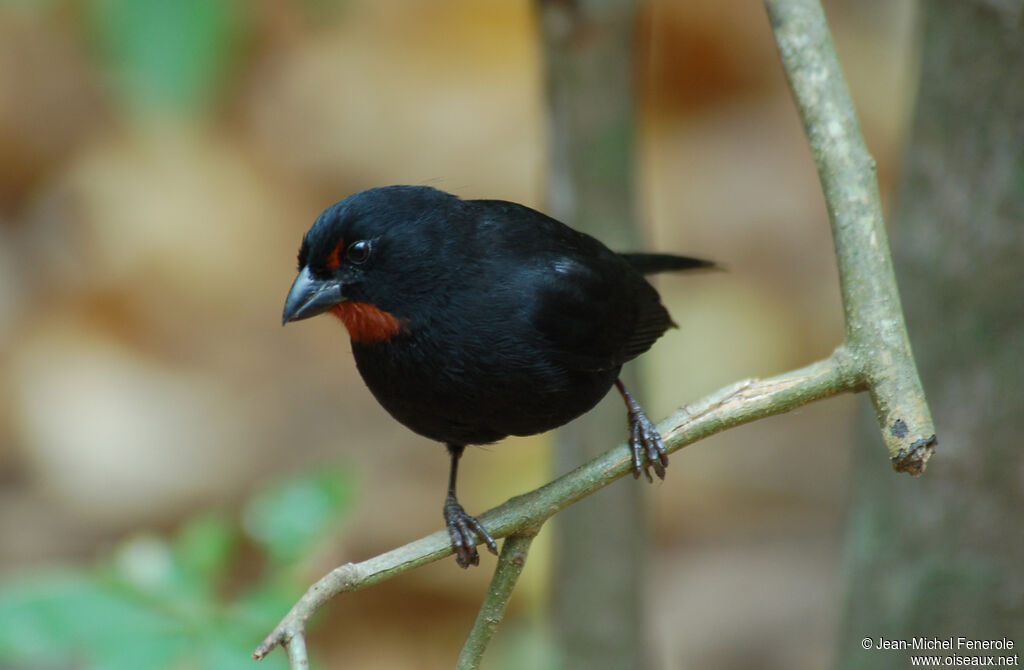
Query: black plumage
472	320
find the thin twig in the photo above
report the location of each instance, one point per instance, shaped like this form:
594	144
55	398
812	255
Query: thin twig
734	405
492	612
298	659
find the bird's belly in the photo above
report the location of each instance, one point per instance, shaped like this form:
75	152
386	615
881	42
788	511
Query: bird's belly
462	403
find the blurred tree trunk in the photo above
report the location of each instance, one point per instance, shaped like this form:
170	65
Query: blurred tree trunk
600	542
942	555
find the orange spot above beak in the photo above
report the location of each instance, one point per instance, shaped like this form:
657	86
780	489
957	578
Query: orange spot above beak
366	323
334	259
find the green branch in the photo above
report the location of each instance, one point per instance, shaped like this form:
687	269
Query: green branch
492	612
876	334
732	406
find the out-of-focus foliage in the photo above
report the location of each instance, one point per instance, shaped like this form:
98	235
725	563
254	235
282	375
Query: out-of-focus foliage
157	603
159	162
291	517
167	55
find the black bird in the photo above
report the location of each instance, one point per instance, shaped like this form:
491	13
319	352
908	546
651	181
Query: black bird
473	320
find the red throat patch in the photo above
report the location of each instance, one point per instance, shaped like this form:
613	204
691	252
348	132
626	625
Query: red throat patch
366	323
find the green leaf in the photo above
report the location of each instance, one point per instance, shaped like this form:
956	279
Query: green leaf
155	604
33	624
263	605
71	618
167	54
204	549
62	615
290	518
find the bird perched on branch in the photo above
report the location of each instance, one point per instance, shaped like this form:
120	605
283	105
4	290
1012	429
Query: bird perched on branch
473	320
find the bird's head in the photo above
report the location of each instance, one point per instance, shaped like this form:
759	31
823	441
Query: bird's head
366	259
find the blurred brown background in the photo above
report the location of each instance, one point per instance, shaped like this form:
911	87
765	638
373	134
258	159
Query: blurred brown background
150	212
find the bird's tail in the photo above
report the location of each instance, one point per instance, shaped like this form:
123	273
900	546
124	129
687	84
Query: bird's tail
652	263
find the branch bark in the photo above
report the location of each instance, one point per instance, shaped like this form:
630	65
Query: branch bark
874	357
875	330
734	405
492	612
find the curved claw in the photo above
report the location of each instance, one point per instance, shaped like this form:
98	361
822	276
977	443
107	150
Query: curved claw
464	531
648	448
644	440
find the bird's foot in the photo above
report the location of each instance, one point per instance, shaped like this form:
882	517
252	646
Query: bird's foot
464	531
646	443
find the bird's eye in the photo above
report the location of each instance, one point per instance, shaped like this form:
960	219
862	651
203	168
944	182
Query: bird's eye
358	251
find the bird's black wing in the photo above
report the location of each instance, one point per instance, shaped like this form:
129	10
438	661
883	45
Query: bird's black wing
591	307
599	315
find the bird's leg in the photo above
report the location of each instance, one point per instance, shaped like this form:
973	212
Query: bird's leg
647	445
461	526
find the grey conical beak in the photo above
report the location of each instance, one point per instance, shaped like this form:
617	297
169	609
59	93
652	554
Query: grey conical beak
310	296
